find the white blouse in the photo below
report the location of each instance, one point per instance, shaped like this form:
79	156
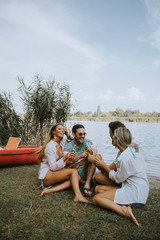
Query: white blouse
131	171
51	161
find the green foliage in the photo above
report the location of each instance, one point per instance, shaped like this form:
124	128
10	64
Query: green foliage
10	122
63	103
43	103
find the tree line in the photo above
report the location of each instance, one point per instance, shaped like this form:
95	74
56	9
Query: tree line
120	115
43	104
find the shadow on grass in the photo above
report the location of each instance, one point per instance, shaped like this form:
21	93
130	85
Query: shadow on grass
25	215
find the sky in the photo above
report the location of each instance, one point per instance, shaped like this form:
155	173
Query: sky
108	51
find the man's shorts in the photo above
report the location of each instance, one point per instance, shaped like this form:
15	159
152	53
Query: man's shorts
81	173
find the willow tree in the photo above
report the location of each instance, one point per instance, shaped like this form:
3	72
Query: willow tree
10	123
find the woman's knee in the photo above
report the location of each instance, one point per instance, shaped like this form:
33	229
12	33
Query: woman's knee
74	171
94	199
97	189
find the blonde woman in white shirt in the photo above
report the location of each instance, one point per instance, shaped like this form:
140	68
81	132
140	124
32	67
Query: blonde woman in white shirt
130	171
53	161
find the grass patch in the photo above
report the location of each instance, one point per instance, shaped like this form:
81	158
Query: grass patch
25	215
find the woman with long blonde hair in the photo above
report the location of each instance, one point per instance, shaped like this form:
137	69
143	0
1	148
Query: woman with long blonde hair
53	161
130	171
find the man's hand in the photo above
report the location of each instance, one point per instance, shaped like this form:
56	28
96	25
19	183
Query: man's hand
81	163
84	154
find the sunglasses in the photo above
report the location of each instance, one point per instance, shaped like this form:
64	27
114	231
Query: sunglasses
81	134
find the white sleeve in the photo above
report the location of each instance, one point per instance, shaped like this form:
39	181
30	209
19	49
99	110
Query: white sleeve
124	171
120	175
51	156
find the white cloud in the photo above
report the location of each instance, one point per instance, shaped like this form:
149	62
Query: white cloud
156	63
153	7
155	39
47	28
132	94
105	96
135	94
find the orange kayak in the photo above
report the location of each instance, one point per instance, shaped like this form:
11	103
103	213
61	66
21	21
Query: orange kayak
20	156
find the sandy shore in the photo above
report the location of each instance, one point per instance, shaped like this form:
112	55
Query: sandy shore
154	182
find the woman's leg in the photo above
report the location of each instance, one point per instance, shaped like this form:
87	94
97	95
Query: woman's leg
106	200
61	176
56	177
59	187
100	178
103	188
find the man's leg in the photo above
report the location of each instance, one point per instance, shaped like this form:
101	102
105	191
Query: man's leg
89	174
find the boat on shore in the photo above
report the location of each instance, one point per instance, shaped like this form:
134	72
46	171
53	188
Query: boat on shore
19	156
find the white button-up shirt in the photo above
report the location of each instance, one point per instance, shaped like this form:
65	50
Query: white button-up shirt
131	171
51	161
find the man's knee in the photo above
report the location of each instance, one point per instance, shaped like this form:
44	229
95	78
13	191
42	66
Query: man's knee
75	171
98	177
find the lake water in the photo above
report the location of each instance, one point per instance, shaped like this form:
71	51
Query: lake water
147	135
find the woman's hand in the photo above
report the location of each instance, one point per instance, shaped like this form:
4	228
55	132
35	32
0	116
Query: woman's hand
68	158
99	161
96	159
67	133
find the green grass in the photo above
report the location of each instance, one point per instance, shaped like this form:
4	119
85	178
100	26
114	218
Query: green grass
25	215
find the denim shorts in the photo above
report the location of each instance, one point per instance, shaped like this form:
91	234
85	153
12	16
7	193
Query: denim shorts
42	185
81	173
136	205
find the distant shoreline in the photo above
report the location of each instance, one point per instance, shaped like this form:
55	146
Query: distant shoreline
121	119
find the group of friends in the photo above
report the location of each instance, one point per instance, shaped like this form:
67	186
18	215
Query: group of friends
68	160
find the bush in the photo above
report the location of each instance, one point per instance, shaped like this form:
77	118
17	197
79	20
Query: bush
10	123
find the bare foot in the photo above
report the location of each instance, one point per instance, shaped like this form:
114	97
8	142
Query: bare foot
45	191
80	198
132	216
129	214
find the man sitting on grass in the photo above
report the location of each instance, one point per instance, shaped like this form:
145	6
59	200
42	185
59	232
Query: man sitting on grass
80	146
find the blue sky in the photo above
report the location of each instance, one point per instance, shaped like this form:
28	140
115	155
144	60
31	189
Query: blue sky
108	51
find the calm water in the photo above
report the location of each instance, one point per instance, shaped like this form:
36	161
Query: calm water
147	135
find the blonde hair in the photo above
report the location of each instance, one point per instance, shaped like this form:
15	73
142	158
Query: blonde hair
123	136
48	139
